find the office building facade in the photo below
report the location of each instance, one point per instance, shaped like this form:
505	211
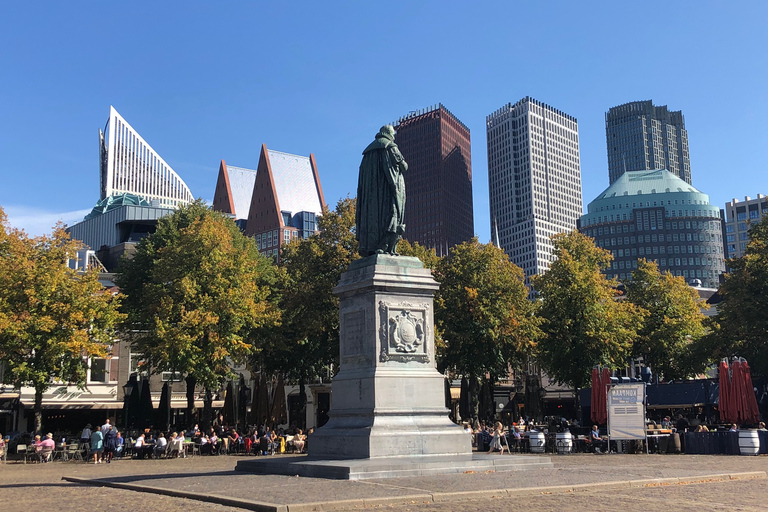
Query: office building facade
286	201
128	164
739	216
643	137
534	180
657	216
234	191
438	211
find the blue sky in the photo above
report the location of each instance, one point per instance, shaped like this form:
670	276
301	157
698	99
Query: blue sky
202	81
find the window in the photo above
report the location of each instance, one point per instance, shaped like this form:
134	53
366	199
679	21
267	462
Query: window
99	371
171	376
136	364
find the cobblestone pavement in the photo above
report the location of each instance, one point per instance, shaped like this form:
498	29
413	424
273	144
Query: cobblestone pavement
24	487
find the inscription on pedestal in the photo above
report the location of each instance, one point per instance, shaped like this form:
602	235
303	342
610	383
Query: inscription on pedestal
404	332
353	330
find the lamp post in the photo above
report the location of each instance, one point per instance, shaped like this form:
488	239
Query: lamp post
127	391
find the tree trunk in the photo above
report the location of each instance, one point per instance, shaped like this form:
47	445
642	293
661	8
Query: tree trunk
38	410
191	410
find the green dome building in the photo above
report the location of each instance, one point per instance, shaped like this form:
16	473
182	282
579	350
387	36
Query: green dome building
657	216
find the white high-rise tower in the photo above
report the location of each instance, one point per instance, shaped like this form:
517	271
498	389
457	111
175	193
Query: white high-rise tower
534	179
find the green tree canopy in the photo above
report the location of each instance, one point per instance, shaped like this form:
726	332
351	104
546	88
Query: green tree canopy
741	327
196	290
52	318
482	312
427	256
672	324
584	325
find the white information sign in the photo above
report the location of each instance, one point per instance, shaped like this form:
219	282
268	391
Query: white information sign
626	411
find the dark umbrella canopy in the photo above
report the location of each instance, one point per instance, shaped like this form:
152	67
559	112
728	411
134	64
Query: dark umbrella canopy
134	404
464	409
229	405
279	415
262	411
146	413
163	417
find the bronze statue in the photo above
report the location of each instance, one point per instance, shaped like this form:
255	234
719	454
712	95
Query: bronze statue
381	196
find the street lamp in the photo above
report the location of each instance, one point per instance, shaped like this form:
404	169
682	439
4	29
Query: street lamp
127	391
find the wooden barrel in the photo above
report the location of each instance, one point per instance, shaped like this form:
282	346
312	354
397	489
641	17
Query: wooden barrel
749	442
537	441
564	442
674	443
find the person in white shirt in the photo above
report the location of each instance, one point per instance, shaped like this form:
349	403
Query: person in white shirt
160	445
105	427
138	447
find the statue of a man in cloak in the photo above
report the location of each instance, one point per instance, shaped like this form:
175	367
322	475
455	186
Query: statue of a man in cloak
381	196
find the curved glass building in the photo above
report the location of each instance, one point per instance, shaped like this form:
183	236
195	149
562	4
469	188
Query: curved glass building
657	216
128	164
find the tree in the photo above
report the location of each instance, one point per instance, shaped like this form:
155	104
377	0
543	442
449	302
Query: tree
307	344
483	313
672	324
53	319
741	327
197	289
427	256
583	322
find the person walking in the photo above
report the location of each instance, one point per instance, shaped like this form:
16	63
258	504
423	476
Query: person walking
97	445
498	435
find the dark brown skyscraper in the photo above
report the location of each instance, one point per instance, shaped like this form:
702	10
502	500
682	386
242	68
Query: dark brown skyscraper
438	209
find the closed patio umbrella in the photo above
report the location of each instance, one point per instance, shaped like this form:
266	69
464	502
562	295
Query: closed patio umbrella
594	395
724	400
229	405
279	415
262	411
464	411
751	410
146	415
163	417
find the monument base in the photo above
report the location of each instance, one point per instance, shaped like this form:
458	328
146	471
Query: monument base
390	467
388	399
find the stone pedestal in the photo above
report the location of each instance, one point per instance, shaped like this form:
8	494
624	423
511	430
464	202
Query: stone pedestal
388	398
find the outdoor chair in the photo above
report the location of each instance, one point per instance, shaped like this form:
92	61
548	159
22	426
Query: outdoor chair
73	453
265	447
26	452
45	455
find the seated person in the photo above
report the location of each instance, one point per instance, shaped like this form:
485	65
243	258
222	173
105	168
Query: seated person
47	446
205	445
119	445
213	443
594	438
161	445
299	440
140	446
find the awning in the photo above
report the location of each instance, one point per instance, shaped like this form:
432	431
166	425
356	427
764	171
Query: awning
559	395
54	405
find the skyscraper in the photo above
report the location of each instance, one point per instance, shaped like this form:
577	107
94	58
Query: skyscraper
438	211
739	217
534	180
128	164
644	137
